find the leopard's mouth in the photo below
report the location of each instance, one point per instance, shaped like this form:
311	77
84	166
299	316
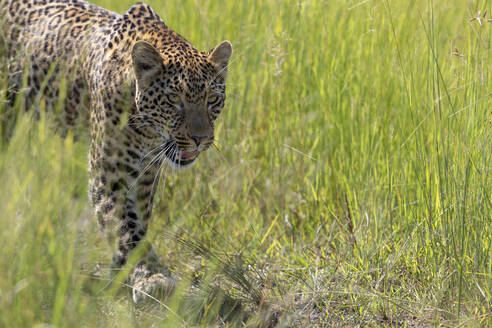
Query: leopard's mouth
181	158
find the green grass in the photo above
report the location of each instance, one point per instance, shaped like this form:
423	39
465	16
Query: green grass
353	186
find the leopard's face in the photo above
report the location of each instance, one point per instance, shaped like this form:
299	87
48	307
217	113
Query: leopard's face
178	98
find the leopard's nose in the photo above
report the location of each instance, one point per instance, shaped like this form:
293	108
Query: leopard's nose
198	139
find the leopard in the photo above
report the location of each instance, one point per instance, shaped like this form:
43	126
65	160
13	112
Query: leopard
147	95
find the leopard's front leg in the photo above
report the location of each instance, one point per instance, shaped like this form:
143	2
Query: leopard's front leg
122	195
149	277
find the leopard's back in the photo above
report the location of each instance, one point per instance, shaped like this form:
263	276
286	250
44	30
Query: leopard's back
48	39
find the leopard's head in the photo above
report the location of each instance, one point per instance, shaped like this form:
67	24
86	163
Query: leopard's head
180	92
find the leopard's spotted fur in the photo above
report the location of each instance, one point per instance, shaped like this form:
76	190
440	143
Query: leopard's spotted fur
127	66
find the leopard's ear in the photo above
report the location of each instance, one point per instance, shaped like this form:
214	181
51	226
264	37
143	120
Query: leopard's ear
147	63
220	56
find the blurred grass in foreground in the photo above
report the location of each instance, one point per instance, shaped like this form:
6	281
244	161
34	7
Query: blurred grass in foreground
353	186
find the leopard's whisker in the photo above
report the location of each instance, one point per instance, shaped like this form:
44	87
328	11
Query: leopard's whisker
157	177
138	124
164	176
138	115
218	157
160	162
219	152
154	159
152	150
134	183
174	157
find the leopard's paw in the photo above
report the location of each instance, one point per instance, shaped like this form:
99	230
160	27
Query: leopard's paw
156	287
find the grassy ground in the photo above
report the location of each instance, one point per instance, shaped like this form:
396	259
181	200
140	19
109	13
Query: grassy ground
353	185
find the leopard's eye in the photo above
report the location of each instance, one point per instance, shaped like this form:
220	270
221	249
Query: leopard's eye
212	100
173	98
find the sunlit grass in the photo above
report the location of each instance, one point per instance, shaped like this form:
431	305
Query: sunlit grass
353	184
